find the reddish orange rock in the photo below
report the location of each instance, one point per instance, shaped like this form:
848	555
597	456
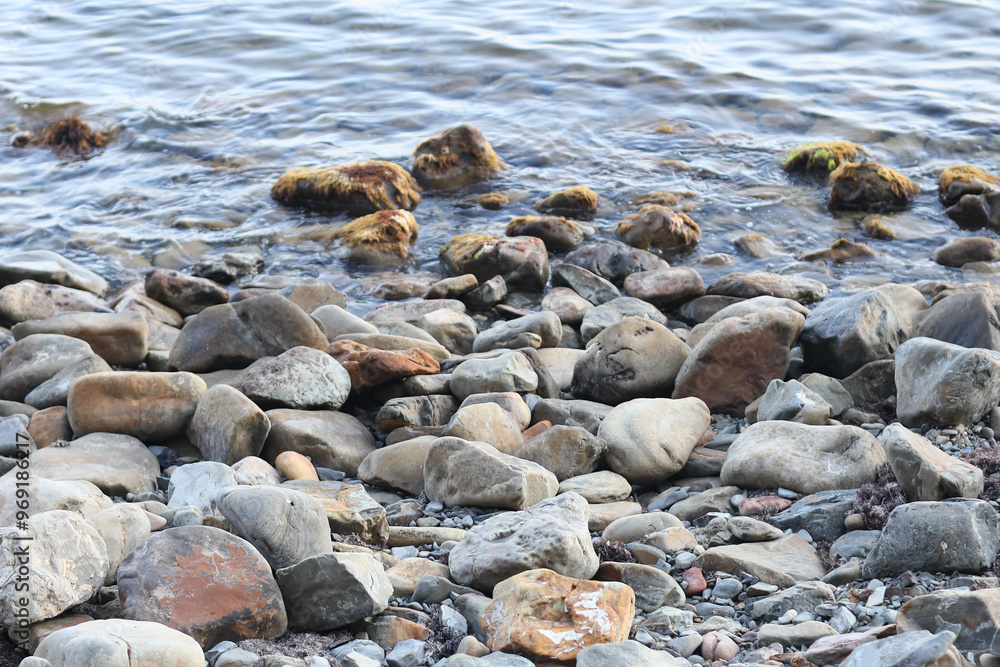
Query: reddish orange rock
546	616
535	429
763	505
695	581
206	583
369	367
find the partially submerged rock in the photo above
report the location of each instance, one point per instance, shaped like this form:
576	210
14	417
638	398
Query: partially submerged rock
870	187
359	188
556	232
378	237
521	260
964	179
658	227
822	156
458	156
578	200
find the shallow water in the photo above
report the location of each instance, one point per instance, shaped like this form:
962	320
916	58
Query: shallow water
210	101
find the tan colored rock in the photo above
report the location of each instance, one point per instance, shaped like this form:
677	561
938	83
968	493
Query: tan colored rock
924	471
334	440
399	466
476	474
115	463
123	527
149	406
117	642
546	616
418	536
405	575
387	631
780	562
254	471
295	466
349	509
658	227
486	422
672	540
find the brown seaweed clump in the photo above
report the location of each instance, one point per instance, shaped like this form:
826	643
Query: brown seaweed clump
875	501
964	179
70	136
870	187
359	188
378	237
613	551
458	156
842	250
659	227
986	459
822	156
874	226
576	201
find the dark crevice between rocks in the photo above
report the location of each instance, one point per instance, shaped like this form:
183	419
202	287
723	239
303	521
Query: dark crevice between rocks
443	641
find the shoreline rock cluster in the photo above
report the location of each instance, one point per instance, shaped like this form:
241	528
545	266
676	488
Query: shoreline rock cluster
647	470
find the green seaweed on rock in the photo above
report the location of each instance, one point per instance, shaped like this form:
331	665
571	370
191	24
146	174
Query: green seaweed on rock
824	156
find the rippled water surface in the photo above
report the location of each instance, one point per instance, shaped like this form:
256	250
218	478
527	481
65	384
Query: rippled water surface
210	101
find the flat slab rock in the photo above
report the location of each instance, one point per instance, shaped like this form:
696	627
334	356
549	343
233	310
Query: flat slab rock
781	562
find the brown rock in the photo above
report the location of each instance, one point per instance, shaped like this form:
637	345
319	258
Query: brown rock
522	261
148	406
50	425
405	575
665	288
359	188
695	581
398	466
120	339
556	232
717	646
151	309
733	364
780	562
965	250
458	156
658	227
546	616
227	426
387	631
204	582
842	250
750	285
185	294
369	367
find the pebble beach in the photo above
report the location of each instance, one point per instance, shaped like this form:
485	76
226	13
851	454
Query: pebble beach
422	408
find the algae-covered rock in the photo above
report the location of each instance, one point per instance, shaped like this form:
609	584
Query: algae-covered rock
822	156
579	200
964	179
842	250
358	188
658	227
458	156
377	237
867	186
